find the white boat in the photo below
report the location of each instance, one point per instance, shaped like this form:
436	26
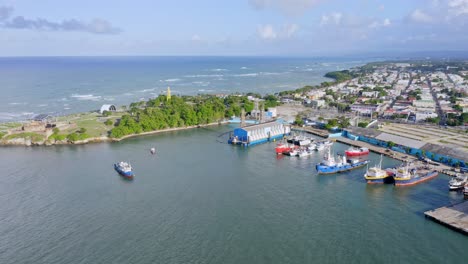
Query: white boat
293	153
319	146
153	150
458	182
304	142
465	190
304	153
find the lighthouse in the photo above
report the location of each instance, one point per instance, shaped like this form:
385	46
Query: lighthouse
168	96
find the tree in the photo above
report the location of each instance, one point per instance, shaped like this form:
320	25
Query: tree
56	130
106	113
390	144
82	130
109	122
363	124
298	121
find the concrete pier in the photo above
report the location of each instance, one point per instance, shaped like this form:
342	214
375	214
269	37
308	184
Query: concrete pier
454	216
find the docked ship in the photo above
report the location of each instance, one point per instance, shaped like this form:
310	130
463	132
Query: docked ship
404	175
351	152
283	148
458	182
330	166
124	169
376	174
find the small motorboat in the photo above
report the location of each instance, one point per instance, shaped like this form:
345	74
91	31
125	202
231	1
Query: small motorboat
458	182
153	151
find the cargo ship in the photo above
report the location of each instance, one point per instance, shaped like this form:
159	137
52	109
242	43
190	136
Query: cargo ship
376	175
405	175
330	166
124	169
356	152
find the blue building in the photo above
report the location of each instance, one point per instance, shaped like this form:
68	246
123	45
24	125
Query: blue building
260	133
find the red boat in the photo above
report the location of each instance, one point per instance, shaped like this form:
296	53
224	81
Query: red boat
284	148
356	151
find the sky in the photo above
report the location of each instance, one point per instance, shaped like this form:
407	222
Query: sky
231	28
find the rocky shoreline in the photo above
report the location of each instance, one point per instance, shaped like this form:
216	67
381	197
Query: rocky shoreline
103	139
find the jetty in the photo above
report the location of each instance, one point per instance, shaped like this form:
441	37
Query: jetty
404	157
453	216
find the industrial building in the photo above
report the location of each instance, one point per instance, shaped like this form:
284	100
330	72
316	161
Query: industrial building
260	133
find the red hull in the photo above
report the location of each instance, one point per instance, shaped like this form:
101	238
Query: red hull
350	153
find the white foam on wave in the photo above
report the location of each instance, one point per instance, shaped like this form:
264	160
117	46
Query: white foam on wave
205	90
219	70
66	108
245	75
244	68
42	105
147	90
201	83
15	103
16	116
86	97
128	94
172	80
203	75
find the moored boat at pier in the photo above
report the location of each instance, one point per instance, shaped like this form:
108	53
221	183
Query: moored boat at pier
405	175
376	174
353	151
330	166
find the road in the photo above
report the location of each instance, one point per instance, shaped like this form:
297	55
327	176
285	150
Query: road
440	113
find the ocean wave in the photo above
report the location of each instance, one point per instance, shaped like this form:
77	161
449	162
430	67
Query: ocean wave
128	94
66	108
146	90
172	80
206	90
245	75
201	83
244	68
42	105
203	75
219	70
86	97
16	116
15	103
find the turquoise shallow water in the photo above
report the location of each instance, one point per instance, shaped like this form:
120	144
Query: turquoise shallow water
201	201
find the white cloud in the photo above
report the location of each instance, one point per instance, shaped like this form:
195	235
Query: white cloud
420	17
288	7
387	22
196	37
290	30
266	32
331	19
458	7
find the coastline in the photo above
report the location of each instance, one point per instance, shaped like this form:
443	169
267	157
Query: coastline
101	139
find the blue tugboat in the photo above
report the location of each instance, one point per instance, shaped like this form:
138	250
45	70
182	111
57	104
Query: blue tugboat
124	169
330	166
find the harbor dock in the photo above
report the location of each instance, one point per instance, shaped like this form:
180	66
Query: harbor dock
440	167
454	216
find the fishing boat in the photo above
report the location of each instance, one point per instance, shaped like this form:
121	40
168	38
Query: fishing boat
282	148
356	151
330	166
376	174
405	175
124	169
327	143
458	182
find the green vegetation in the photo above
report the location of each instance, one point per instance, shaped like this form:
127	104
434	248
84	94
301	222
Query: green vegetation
363	124
178	112
457	120
109	122
57	137
34	137
77	136
298	121
106	113
390	144
2	134
270	101
340	76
